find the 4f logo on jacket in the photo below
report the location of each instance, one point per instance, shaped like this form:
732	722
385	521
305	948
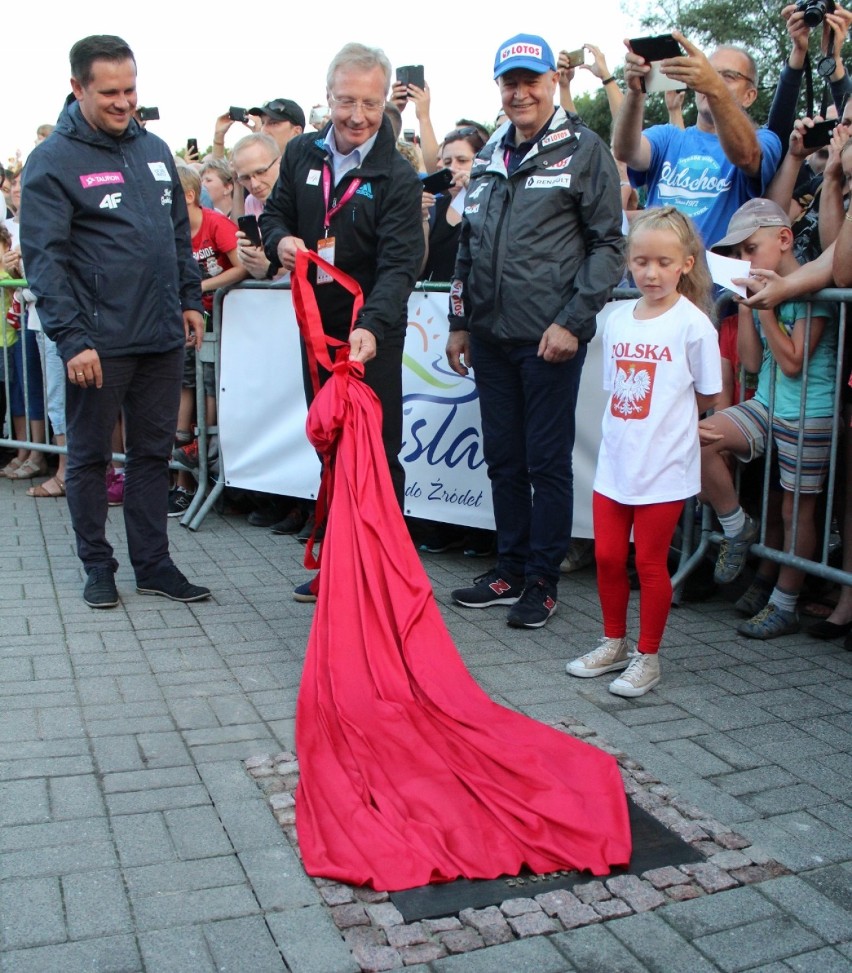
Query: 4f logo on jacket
110	201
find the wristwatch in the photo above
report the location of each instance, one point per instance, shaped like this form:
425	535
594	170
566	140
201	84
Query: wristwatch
826	66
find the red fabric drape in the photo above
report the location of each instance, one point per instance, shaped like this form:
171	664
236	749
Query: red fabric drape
409	773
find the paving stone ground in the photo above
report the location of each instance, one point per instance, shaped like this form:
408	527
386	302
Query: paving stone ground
133	839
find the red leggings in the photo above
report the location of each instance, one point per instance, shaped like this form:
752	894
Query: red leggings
653	526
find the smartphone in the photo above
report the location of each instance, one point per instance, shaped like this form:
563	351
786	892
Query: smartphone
657	48
237	114
411	74
318	115
192	146
576	58
249	226
439	182
819	135
148	114
409	136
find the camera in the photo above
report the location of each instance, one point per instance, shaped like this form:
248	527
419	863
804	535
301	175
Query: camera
815	10
148	114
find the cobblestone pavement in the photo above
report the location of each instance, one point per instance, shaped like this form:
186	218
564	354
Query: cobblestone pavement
133	839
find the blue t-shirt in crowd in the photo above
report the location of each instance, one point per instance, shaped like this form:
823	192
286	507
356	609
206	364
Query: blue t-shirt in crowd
690	172
821	367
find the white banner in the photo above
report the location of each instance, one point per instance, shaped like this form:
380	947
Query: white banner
262	413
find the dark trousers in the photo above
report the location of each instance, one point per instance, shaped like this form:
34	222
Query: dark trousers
527	407
147	389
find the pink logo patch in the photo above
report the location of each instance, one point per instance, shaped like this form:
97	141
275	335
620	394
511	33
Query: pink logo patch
95	179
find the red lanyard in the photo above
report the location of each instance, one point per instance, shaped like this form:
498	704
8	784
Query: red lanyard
351	189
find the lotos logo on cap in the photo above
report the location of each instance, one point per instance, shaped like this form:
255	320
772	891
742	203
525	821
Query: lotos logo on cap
521	50
101	179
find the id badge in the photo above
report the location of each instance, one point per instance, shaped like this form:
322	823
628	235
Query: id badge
325	249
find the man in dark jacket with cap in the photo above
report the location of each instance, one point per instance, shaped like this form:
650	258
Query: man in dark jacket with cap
539	253
106	245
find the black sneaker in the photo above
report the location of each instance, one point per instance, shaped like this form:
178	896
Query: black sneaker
179	501
441	539
170	583
100	590
304	593
291	524
536	604
304	534
491	588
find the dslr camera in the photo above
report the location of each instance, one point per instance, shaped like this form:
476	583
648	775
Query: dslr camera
815	10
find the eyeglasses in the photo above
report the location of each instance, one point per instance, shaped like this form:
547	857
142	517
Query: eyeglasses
280	108
369	107
730	75
246	178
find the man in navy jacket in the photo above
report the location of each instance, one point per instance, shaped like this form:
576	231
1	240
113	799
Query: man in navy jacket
106	245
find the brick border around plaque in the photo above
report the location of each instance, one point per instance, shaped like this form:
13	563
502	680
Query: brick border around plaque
380	939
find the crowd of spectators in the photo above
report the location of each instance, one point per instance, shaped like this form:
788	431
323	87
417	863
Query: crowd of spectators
706	170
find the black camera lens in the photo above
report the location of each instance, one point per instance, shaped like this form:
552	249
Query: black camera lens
814	11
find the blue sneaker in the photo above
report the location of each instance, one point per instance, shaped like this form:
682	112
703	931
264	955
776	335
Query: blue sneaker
536	604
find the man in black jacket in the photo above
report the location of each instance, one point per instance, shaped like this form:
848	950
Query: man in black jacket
540	251
106	245
347	193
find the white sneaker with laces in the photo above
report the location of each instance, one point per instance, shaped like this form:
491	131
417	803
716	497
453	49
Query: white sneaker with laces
611	654
640	677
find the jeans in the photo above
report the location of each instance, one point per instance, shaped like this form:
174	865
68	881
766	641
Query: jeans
34	406
527	407
147	389
54	380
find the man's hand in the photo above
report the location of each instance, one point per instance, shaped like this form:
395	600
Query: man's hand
598	67
799	34
362	345
636	69
766	289
251	257
458	348
84	369
193	328
693	69
557	344
796	144
287	247
835	27
566	72
399	95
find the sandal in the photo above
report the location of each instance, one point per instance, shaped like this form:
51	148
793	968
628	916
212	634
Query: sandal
28	469
42	490
11	468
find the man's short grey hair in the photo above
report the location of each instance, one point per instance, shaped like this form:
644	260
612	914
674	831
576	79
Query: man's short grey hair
361	58
257	138
752	64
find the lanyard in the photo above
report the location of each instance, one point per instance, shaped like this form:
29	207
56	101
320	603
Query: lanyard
326	192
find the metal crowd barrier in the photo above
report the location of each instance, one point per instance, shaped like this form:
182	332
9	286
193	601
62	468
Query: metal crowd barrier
695	543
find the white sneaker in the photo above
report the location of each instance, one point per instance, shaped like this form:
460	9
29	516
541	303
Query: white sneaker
611	654
642	675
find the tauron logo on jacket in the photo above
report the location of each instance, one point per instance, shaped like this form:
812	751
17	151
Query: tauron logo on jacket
633	388
94	179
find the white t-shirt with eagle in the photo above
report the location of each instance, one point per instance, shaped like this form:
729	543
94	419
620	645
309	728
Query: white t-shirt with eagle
652	368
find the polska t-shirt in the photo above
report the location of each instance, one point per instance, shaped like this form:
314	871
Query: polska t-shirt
649	449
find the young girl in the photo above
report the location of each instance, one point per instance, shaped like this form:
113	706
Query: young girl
662	366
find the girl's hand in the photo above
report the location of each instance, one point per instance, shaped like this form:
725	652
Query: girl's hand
707	434
426	203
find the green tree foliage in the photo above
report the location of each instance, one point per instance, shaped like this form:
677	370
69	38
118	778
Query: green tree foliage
753	24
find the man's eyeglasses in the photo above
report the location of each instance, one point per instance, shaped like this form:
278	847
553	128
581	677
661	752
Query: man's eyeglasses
730	75
246	178
369	107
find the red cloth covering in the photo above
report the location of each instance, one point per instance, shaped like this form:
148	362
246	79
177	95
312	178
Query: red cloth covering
410	774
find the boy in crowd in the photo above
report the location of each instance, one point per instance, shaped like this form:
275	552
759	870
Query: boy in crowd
214	247
771	342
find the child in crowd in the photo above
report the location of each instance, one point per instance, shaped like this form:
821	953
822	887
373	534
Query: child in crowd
773	343
662	366
214	247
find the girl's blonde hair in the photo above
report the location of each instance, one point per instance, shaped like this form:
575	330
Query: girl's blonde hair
696	285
